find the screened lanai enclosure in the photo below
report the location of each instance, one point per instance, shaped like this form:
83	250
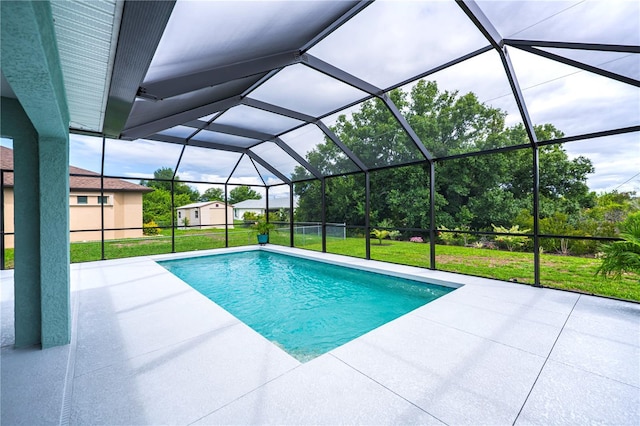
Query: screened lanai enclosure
491	138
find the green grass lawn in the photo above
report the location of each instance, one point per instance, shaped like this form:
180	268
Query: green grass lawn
556	271
564	272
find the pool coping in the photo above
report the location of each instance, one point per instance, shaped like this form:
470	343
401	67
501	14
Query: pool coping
506	352
401	271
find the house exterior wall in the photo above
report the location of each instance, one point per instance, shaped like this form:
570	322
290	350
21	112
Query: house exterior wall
8	216
239	212
209	216
87	216
190	215
122	210
127	214
194	216
216	215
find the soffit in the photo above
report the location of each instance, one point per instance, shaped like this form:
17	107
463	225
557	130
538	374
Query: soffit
86	34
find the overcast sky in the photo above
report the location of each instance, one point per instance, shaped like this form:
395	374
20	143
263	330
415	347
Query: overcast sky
391	41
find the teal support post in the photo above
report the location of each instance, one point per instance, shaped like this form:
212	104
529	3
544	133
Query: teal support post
38	123
41	277
54	241
27	310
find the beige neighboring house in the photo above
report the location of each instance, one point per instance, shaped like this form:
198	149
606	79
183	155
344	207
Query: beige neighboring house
122	204
208	214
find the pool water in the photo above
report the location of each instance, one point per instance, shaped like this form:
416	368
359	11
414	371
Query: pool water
304	306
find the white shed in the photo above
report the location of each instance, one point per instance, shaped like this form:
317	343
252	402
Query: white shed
208	214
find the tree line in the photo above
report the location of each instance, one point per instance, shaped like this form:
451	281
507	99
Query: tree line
156	205
478	192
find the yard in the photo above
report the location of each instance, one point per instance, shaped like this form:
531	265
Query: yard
563	272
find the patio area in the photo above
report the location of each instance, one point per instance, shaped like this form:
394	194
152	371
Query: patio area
148	349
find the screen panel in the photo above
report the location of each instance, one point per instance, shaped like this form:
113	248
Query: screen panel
256	119
305	90
574	101
592	21
313	145
393	41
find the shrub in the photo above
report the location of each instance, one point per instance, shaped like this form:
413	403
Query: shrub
150	228
623	256
512	242
380	234
446	237
416	240
249	217
263	227
395	235
458	237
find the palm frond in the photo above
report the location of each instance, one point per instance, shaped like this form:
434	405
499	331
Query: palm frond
623	256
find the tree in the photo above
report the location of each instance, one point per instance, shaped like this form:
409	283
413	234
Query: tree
402	196
309	201
212	194
609	209
242	193
165	174
156	205
473	192
453	124
556	224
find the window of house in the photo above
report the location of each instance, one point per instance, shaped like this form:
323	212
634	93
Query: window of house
103	200
196	214
82	199
179	214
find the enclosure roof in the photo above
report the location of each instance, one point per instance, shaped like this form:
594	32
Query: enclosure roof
266	81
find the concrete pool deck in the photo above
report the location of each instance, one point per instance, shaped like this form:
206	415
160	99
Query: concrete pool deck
148	349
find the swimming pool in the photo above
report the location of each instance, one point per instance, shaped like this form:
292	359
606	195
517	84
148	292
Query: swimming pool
304	306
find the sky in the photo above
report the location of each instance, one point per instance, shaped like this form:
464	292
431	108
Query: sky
391	41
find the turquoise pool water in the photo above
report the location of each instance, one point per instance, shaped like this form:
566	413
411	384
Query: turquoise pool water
306	307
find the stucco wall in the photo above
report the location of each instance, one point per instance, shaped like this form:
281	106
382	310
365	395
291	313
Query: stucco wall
8	216
87	216
128	214
194	216
209	216
122	210
216	215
